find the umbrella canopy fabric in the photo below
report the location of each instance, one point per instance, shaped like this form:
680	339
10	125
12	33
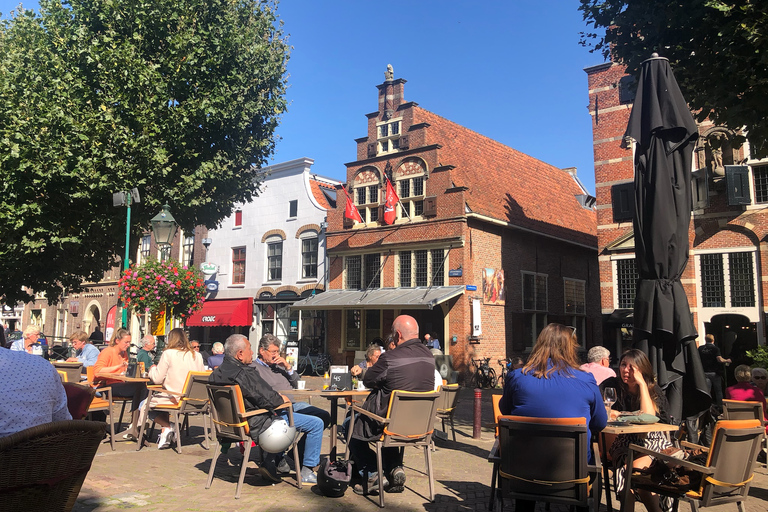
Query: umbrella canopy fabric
665	131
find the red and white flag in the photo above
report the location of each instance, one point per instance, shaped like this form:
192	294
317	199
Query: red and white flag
390	203
350	211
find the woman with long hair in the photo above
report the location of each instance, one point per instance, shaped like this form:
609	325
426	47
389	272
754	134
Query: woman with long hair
638	393
177	361
550	385
114	359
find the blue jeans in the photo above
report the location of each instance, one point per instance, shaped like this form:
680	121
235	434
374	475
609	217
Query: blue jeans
312	427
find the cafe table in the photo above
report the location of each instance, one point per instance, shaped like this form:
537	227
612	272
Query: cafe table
122	378
621	427
334	397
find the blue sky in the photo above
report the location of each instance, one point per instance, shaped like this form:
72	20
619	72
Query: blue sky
510	70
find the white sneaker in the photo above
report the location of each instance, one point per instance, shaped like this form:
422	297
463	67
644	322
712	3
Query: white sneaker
165	438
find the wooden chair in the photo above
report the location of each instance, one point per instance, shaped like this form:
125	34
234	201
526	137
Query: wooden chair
43	468
726	476
409	422
446	405
230	421
192	400
101	403
545	459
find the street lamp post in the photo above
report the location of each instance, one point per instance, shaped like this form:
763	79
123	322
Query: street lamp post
164	229
124	199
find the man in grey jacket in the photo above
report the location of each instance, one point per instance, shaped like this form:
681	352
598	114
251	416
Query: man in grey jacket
410	367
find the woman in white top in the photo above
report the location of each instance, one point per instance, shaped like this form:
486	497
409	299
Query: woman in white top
177	361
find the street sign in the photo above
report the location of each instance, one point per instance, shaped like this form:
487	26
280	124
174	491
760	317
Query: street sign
471	288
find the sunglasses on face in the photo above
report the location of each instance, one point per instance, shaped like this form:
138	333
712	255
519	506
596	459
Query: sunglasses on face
759	377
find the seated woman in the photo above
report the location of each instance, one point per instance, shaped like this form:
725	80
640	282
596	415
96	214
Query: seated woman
550	385
177	361
637	392
760	378
744	391
114	359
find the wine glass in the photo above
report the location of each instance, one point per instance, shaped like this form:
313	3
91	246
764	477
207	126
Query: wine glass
609	397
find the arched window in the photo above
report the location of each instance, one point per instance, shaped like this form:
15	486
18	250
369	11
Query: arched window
367	184
410	179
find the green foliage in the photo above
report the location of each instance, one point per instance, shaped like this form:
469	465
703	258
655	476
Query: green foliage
759	356
178	98
718	50
155	285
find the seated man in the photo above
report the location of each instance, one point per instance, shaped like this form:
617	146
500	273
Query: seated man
218	355
146	354
279	375
32	393
598	364
28	342
371	356
410	367
257	394
84	352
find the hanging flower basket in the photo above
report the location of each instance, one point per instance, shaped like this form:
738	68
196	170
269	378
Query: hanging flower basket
153	285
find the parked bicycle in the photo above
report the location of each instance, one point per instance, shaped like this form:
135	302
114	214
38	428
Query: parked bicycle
504	363
311	360
485	376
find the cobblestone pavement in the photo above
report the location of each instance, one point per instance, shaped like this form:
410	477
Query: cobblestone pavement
164	480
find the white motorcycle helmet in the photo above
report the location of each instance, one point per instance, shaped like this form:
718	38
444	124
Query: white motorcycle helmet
278	437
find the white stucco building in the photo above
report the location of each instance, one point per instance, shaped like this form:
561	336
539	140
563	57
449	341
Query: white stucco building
269	254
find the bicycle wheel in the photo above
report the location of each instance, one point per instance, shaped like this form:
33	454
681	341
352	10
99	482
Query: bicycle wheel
322	364
301	365
491	378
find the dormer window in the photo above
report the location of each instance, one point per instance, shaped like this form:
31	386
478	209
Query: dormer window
388	139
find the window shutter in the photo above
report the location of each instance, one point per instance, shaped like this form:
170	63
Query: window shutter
623	196
430	207
737	179
348	223
371	150
403	142
627	89
700	189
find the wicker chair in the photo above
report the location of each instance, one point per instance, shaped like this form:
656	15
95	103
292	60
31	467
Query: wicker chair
42	468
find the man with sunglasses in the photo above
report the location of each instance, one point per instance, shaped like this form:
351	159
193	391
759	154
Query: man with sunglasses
311	420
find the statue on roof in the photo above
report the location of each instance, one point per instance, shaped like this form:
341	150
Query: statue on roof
390	74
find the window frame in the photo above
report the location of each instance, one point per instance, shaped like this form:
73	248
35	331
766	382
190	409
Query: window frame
274	265
430	268
238	218
727	277
388	142
537	301
239	265
305	265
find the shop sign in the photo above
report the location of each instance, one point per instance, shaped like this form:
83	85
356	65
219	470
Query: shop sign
208	268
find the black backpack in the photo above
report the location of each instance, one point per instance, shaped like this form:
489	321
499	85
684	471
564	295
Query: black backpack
333	477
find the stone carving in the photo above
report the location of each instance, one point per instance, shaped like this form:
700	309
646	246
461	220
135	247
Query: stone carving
390	74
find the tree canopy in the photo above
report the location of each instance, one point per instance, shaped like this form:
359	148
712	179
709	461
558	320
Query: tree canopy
718	50
178	98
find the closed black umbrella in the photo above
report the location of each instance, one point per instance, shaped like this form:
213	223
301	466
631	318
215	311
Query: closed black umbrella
665	132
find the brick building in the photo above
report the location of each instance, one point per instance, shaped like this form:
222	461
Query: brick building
96	304
489	244
726	269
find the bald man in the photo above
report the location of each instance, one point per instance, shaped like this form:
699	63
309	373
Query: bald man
410	366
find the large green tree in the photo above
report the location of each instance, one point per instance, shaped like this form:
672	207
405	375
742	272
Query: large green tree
718	50
177	98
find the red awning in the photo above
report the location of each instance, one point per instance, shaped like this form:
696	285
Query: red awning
223	312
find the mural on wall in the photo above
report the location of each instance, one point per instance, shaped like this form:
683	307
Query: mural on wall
493	287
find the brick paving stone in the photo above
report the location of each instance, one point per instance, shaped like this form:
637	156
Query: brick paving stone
153	480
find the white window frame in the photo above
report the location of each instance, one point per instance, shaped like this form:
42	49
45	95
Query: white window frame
389	140
271	241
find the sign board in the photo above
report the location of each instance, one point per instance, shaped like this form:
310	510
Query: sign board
341	381
454	272
211	286
292	354
208	268
471	288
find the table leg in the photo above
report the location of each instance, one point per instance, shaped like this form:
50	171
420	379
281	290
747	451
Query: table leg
334	426
606	477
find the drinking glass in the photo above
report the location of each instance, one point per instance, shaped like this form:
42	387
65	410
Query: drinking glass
609	397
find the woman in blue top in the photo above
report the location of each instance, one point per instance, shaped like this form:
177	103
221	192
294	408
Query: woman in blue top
550	385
